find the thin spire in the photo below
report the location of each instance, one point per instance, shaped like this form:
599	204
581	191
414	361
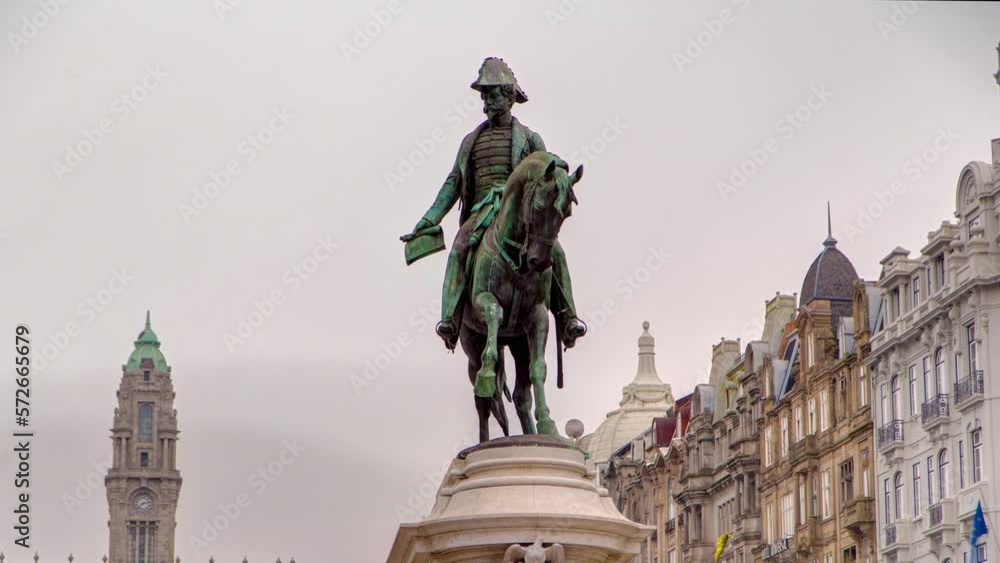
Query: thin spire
147	315
830	241
646	372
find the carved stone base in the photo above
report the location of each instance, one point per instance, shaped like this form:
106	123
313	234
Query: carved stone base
514	491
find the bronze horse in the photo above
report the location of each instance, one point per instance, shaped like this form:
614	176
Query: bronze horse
511	278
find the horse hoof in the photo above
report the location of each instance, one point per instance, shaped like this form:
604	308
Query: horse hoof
485	386
547	427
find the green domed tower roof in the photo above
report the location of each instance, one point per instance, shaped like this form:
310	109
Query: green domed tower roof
147	347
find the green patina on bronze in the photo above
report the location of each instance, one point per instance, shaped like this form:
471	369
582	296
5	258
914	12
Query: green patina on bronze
517	275
147	346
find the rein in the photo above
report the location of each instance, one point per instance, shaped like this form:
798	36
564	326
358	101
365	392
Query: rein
521	247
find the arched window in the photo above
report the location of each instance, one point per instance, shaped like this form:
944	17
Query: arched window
943	474
939	372
898	495
145	422
897	407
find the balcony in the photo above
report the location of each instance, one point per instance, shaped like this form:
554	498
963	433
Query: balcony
671	525
804	449
890	435
969	391
896	537
940	518
772	550
859	514
934	411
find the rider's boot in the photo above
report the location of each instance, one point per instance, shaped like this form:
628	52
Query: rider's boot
569	327
451	293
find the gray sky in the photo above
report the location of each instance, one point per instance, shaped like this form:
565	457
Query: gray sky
663	133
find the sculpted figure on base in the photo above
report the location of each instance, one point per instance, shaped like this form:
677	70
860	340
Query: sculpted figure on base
506	269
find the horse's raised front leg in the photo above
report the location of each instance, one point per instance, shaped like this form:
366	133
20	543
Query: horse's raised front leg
492	313
538	334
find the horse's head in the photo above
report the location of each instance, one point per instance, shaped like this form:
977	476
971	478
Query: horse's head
548	203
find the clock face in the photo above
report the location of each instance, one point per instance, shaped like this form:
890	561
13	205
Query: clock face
142	503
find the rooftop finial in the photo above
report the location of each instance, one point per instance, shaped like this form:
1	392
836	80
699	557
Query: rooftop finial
646	373
830	241
147	318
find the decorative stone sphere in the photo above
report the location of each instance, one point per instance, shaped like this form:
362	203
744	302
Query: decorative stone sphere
574	428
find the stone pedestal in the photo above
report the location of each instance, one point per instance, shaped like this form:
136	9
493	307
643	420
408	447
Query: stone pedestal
516	490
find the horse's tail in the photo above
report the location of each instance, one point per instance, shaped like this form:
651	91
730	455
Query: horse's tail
496	403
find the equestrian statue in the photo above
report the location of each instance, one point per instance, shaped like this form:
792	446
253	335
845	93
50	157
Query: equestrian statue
506	270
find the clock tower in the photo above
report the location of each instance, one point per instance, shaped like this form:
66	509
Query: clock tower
143	483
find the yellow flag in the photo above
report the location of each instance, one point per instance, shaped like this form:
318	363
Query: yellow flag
720	545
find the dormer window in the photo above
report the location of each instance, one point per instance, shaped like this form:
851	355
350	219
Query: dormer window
895	304
939	270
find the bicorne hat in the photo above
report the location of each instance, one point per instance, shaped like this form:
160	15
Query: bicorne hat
495	72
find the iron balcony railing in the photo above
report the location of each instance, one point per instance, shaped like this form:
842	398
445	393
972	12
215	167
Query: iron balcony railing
937	514
936	407
891	432
671	524
890	534
969	387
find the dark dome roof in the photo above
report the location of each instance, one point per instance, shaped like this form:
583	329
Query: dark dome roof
831	276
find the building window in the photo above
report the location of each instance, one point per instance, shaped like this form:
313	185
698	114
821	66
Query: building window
771	536
827	496
977	455
812	416
787	515
145	375
930	480
815	498
981	553
913	390
897	405
939	270
768	442
939	371
916	490
961	464
915	285
846	482
811	355
863	387
142	542
145	422
784	435
886	502
927	378
802	500
883	404
943	474
895	304
799	430
143	459
897	483
970	333
824	410
973	223
865	488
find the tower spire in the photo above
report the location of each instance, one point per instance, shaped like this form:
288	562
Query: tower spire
830	241
147	319
646	372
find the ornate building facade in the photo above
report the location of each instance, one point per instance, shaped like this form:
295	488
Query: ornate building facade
931	360
817	482
143	483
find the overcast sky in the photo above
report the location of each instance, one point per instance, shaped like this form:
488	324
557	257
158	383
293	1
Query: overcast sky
661	102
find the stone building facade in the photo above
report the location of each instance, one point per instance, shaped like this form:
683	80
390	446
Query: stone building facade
817	484
143	483
931	360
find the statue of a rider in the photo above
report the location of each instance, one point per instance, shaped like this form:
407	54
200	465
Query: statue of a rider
486	158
